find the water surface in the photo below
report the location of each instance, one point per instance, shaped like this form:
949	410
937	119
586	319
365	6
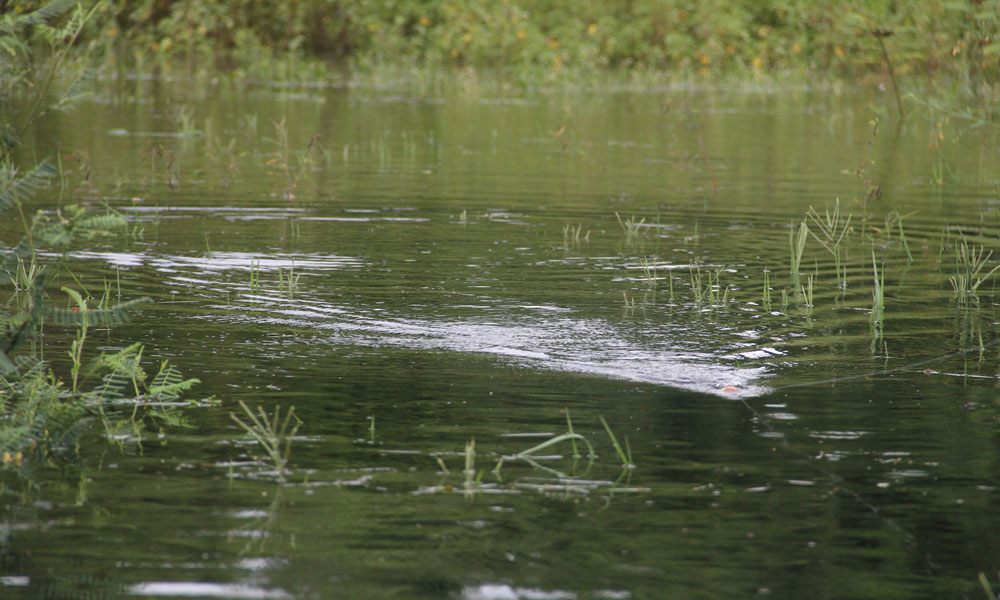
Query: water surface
460	274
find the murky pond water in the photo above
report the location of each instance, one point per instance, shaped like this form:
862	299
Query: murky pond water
414	272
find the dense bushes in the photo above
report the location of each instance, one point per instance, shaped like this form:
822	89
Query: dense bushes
561	37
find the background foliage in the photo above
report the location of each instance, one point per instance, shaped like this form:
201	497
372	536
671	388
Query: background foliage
561	38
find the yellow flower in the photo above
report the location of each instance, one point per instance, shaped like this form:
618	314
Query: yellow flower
552	43
17	458
839	51
112	32
6	458
758	63
730	48
796	48
592	28
425	21
521	34
705	59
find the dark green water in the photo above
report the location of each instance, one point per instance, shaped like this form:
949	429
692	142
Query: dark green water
779	451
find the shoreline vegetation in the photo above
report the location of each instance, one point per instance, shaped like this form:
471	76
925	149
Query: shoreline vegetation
941	45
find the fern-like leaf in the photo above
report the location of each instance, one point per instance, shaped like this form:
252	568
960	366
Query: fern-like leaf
18	188
46	13
168	384
102	223
103	317
123	379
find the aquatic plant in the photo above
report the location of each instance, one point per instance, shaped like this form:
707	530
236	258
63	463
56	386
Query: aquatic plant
895	220
254	275
272	434
288	281
40	419
625	456
630	227
766	293
796	246
969	265
831	228
282	158
876	318
571	235
806	292
708	292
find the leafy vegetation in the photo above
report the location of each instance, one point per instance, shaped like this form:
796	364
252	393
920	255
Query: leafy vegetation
41	415
554	40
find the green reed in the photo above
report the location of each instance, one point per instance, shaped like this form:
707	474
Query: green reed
254	275
877	317
288	280
796	246
624	455
707	289
766	293
807	292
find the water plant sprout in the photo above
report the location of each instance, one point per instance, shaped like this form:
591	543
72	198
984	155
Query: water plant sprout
796	246
832	227
969	264
273	434
630	226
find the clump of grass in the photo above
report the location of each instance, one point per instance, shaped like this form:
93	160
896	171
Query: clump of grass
273	434
289	280
628	300
707	289
572	235
831	227
631	227
969	265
